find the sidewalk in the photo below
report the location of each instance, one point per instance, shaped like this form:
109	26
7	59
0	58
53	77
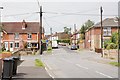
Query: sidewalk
28	71
93	56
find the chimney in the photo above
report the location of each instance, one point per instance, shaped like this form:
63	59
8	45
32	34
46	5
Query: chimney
24	25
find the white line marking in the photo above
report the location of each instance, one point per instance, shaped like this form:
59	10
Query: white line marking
81	66
48	66
103	74
66	60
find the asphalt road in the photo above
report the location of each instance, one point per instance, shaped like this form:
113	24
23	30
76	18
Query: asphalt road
65	63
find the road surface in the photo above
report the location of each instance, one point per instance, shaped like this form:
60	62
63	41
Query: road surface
65	63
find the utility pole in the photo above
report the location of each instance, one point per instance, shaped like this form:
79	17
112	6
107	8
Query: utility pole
51	36
118	39
75	33
0	27
101	11
40	43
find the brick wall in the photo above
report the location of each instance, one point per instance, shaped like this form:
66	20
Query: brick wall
22	37
94	35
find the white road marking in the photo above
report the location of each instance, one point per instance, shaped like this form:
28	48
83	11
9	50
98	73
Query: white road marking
48	66
66	60
103	74
81	66
49	73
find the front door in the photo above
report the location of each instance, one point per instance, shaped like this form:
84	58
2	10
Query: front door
6	46
11	46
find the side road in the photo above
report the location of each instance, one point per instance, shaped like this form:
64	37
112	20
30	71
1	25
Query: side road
28	71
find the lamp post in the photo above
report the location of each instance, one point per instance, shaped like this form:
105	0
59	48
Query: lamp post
0	26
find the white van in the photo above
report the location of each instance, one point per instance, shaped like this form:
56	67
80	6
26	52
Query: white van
54	44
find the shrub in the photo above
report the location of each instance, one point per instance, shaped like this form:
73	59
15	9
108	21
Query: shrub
39	63
106	43
111	46
63	41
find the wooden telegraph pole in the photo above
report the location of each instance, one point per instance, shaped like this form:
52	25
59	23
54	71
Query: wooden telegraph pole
101	11
40	43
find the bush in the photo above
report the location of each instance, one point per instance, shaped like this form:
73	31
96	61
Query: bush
3	48
39	63
111	46
63	41
106	43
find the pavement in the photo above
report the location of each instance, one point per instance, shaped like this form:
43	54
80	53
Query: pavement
28	71
93	56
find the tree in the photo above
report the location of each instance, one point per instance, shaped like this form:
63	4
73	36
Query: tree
113	42
82	32
88	24
114	38
84	27
67	30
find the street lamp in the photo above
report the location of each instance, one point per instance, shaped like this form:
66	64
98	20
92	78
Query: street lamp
0	27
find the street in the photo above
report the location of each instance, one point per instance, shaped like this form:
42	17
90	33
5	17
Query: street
65	63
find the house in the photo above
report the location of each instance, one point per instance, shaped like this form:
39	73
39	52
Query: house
93	34
63	36
17	35
75	38
58	36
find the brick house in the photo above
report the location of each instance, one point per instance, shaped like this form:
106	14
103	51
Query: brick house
16	34
63	35
93	34
75	38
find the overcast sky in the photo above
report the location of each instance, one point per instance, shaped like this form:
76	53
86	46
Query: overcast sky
15	10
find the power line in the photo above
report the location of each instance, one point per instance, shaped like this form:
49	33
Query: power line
80	14
47	24
18	14
59	22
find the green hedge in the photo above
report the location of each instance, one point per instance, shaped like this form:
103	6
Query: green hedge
63	41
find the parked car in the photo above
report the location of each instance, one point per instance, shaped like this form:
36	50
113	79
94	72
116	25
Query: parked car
74	47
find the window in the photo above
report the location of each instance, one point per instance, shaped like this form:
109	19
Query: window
11	45
29	45
35	45
29	36
107	31
17	45
16	35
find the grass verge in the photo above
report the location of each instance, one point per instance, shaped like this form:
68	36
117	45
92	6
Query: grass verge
115	64
38	63
49	50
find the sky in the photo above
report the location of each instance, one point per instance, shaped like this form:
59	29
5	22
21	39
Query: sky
58	13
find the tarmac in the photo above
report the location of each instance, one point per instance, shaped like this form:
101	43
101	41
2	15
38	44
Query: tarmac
28	71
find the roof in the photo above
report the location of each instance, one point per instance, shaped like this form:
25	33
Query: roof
16	27
107	22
